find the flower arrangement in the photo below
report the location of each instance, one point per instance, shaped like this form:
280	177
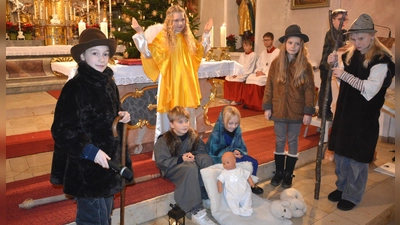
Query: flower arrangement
94	25
231	40
28	28
11	28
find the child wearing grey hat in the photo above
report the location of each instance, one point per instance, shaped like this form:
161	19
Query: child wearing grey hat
367	73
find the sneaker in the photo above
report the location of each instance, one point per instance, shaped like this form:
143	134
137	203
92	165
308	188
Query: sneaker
206	203
335	196
257	190
235	103
201	218
224	101
345	205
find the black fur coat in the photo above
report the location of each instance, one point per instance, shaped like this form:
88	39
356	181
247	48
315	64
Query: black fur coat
84	114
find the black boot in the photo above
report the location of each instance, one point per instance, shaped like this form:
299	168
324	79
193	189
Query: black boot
288	175
279	165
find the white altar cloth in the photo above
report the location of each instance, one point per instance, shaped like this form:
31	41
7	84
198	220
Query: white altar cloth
39	50
45	50
134	74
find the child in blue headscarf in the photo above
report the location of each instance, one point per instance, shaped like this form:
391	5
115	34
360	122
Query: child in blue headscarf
227	137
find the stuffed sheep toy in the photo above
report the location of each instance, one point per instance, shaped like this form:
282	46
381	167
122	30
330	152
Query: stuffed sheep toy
291	204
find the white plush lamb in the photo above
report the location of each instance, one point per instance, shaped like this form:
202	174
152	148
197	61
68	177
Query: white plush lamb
291	204
297	205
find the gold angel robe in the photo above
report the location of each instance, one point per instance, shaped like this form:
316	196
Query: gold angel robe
179	70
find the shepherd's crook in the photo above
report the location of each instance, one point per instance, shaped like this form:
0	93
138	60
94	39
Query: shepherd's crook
323	118
123	158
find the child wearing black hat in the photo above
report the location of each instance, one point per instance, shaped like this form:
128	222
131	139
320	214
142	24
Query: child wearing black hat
289	100
82	131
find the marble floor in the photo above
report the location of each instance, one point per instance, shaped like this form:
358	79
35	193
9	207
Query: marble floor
32	112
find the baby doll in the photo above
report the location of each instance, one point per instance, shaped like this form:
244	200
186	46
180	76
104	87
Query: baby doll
236	183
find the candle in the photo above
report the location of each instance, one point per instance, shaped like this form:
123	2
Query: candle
87	2
104	27
34	8
40	12
98	6
212	36
223	36
66	14
47	16
74	14
81	27
109	2
70	12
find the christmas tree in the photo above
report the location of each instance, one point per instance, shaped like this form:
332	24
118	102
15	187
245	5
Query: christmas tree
147	13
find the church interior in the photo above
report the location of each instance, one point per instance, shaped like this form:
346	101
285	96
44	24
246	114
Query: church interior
40	34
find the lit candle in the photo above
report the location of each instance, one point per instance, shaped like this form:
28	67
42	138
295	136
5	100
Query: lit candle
104	27
212	36
223	35
81	27
109	2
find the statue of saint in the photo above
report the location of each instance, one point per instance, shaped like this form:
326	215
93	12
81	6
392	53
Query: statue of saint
55	19
246	14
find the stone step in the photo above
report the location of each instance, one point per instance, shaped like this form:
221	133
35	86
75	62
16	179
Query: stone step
34	84
34	104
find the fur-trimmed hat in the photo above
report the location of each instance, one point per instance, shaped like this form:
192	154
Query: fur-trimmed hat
293	30
363	24
91	37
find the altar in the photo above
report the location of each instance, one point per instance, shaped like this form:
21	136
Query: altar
138	94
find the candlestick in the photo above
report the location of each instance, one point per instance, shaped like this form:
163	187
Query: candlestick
81	27
223	35
104	27
212	36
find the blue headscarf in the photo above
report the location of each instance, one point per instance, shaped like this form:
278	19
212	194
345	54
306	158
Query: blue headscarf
216	144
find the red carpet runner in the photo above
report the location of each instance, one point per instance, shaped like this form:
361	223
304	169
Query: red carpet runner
214	112
261	144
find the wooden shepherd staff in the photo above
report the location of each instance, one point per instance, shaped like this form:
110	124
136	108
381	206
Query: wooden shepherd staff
323	118
123	158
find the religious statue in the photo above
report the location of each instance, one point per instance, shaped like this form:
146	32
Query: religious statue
20	35
246	14
55	19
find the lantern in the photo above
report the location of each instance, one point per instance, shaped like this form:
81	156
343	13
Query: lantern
176	216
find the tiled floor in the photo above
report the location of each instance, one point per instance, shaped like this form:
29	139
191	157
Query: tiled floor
374	208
